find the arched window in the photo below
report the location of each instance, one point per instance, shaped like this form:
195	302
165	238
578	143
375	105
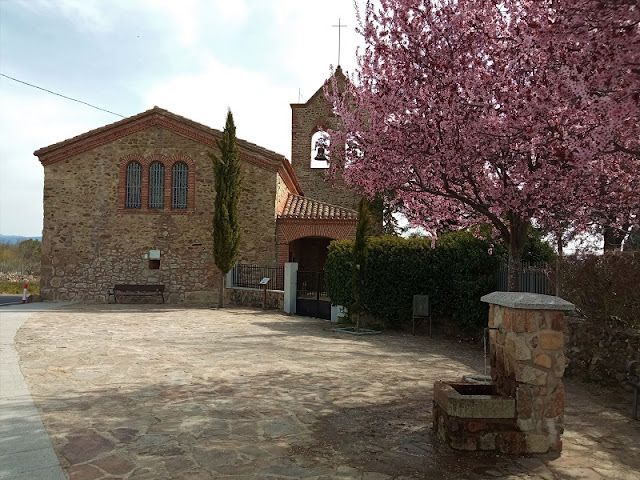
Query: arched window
179	185
320	150
156	185
133	196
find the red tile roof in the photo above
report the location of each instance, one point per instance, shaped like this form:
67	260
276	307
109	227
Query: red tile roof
298	206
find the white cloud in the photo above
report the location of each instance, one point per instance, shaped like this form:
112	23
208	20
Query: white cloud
312	44
35	121
181	17
235	11
261	110
249	55
189	19
86	15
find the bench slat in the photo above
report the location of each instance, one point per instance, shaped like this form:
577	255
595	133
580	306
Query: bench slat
130	290
139	288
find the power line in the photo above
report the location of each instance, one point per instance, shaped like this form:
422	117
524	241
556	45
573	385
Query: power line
60	95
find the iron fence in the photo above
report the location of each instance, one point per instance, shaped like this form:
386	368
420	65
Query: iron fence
534	278
249	276
311	284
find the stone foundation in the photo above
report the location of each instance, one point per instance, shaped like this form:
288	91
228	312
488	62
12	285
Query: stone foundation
251	297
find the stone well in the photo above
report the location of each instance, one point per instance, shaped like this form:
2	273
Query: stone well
522	409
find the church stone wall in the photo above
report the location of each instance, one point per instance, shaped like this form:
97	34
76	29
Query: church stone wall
89	244
282	193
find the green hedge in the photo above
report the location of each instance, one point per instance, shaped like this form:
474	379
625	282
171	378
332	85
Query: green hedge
338	272
455	274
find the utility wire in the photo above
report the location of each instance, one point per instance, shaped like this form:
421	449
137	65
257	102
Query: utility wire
60	95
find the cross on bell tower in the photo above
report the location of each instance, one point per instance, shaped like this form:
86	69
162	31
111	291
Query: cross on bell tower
339	27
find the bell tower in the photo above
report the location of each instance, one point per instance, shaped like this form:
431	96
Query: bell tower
308	121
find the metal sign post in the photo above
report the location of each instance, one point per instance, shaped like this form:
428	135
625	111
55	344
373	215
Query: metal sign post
264	282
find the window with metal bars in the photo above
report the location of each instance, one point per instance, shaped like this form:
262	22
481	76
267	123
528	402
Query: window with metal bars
179	185
156	185
133	198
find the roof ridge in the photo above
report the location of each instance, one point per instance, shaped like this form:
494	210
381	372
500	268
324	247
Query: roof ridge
324	203
158	111
299	206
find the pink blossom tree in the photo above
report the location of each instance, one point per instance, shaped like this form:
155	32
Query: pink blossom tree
506	112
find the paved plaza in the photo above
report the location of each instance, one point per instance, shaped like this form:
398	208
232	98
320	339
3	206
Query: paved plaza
164	392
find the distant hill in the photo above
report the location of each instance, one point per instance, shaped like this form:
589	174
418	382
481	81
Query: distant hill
13	239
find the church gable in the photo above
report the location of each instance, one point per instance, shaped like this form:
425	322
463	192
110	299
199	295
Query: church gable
113	195
156	117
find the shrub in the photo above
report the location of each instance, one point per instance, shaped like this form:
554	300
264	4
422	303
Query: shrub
603	287
398	268
455	274
23	258
339	272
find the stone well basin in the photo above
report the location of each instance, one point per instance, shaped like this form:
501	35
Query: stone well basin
473	400
471	416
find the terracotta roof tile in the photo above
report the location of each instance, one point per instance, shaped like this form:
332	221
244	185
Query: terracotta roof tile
298	206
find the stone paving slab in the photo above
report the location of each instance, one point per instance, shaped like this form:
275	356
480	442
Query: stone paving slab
160	392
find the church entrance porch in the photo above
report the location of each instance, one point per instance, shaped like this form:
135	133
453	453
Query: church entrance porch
309	252
311	297
305	227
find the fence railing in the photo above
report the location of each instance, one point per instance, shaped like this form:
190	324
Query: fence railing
249	276
534	278
311	284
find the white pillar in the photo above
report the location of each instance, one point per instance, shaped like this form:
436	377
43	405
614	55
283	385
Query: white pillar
290	287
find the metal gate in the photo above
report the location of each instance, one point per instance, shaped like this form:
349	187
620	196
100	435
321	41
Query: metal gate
311	297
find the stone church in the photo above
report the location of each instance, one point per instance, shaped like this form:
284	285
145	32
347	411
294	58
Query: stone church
132	202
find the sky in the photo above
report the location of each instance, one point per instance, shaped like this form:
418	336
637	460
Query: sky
195	58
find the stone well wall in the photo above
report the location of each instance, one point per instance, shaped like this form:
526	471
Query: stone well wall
599	351
474	421
527	363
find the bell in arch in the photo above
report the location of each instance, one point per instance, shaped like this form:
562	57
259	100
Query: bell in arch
321	155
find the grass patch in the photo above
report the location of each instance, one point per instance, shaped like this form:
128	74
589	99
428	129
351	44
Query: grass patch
18	287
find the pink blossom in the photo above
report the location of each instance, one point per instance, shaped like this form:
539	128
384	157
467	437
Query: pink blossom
472	112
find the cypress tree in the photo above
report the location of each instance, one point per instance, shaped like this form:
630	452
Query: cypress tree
226	225
363	231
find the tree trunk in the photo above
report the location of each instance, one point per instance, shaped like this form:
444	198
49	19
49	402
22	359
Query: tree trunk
558	259
518	230
221	291
613	238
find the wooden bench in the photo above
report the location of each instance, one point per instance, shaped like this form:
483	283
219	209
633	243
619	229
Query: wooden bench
126	290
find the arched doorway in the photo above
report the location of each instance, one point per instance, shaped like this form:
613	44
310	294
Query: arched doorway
309	252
